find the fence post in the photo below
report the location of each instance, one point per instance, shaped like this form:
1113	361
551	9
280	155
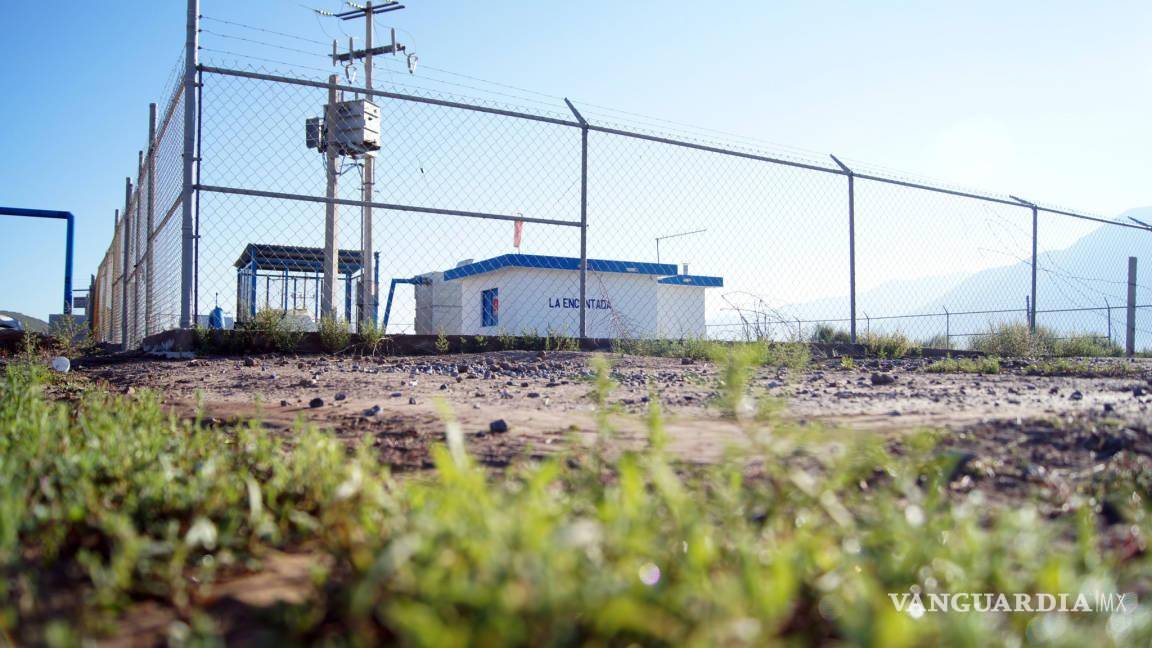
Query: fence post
125	263
1130	343
1108	307
851	245
947	328
113	314
1035	238
583	219
331	254
151	219
187	248
138	211
1032	321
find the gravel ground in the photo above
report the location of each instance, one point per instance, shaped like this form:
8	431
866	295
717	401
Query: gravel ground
528	403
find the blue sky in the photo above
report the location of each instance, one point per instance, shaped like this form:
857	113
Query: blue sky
1044	99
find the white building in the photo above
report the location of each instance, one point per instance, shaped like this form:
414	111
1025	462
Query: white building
516	294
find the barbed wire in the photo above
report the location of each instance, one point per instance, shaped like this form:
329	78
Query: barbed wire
263	30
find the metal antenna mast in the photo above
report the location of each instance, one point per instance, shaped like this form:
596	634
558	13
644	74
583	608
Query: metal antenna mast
368	301
669	236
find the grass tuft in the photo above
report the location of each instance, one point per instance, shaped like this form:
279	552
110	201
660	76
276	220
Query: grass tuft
965	365
889	345
334	334
1015	340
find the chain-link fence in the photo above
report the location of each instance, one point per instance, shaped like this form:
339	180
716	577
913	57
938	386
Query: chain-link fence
480	219
137	285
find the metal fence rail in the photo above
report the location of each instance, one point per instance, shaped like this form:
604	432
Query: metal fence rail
488	220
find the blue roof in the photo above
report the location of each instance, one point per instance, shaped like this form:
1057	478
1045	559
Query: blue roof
558	263
694	280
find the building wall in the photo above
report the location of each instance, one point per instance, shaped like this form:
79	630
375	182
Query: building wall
438	306
680	311
542	301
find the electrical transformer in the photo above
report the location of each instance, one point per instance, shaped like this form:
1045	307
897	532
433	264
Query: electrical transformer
353	126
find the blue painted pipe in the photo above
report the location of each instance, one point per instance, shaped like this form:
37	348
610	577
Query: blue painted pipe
63	215
415	281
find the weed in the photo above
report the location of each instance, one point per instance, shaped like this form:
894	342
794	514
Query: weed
334	335
268	328
1065	367
371	336
481	342
736	365
71	337
1017	340
507	340
442	344
939	341
828	334
1086	346
557	341
846	362
965	365
794	356
791	355
531	340
889	345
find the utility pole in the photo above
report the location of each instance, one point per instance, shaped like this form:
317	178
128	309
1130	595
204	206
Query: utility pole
367	301
331	251
367	286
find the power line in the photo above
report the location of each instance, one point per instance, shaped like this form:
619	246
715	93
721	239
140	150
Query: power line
265	60
264	43
266	31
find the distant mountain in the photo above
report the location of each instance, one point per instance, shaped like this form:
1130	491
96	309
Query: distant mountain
30	323
892	297
1090	273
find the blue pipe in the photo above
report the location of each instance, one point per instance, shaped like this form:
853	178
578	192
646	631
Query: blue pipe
415	281
376	286
252	287
64	215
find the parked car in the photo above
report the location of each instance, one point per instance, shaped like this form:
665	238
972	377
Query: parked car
10	323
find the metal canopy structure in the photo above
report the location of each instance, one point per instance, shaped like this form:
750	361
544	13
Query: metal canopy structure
295	258
289	263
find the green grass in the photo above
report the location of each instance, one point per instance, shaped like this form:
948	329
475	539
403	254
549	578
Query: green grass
795	356
1086	346
827	334
371	337
334	334
268	330
112	502
1015	340
889	345
1065	367
965	365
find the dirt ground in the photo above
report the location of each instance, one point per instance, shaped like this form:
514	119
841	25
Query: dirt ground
544	400
1017	437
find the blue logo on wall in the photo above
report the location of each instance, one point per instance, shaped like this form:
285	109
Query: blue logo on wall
574	302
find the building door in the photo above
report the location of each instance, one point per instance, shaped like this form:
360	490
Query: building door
490	307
